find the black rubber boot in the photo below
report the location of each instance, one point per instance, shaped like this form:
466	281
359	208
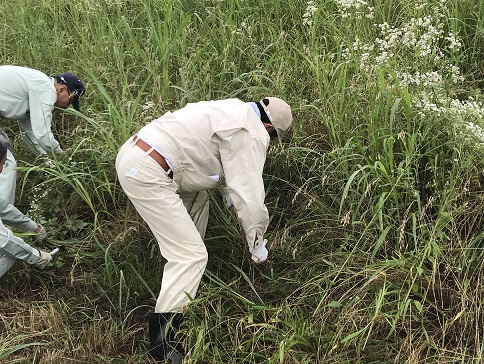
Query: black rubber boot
163	345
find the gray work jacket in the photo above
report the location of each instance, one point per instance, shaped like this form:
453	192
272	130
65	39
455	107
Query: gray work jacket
15	247
28	96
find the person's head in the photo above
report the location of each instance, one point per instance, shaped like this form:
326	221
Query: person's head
4	144
69	90
276	116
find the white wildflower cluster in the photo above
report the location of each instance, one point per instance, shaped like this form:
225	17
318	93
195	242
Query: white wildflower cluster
345	53
457	110
465	110
470	134
309	13
476	130
427	79
36	197
455	75
422	35
416	42
430	78
357	9
364	50
467	118
419	37
454	43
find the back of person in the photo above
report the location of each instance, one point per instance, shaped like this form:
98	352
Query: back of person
196	138
18	85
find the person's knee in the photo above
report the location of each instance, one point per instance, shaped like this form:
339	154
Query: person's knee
6	263
200	257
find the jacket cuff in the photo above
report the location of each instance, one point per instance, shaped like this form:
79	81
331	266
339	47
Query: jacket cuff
28	226
34	257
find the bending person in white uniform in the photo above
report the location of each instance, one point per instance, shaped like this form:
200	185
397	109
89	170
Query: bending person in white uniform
166	170
27	96
12	248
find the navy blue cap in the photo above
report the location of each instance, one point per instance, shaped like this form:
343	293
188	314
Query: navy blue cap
75	86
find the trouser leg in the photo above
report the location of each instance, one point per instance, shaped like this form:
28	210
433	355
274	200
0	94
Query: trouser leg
8	179
6	262
154	196
197	205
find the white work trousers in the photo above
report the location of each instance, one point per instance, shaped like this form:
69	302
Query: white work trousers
155	197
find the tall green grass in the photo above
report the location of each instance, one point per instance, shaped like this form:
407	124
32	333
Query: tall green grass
375	199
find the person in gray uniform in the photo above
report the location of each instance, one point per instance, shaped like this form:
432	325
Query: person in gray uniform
13	248
28	96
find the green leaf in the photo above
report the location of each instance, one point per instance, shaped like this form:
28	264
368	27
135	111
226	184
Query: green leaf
335	304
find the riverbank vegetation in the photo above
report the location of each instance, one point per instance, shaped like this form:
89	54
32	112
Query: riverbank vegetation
375	198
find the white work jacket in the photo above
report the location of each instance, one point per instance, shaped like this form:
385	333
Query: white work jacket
214	143
28	96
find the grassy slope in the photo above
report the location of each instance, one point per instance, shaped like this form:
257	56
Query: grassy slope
376	249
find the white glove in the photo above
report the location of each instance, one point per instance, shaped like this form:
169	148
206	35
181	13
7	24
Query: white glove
226	197
44	259
259	251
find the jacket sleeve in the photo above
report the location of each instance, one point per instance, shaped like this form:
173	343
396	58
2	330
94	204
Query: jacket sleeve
12	216
15	247
243	159
36	129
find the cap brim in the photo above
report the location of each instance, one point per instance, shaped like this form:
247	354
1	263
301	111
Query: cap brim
75	104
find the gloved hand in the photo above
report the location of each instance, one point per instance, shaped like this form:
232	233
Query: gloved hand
259	251
44	259
226	197
40	231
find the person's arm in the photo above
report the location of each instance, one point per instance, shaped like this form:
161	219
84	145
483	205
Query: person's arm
15	247
12	216
243	159
36	130
28	136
